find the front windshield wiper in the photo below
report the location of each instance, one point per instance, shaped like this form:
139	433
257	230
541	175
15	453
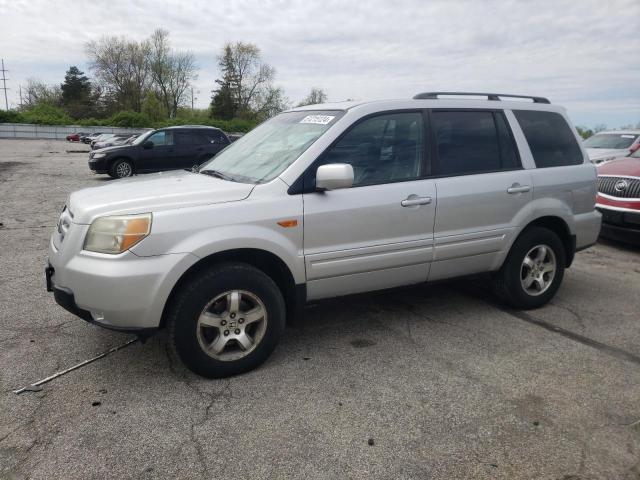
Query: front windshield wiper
218	174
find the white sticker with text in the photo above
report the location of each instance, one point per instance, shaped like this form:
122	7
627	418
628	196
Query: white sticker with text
628	136
318	119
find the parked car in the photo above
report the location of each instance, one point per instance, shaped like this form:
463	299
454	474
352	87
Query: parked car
118	139
165	149
323	201
89	137
605	146
75	137
101	138
619	198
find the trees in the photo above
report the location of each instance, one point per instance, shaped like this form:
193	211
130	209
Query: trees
246	88
76	93
123	68
37	92
171	72
317	95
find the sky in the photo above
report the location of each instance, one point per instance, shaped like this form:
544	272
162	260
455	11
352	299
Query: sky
584	55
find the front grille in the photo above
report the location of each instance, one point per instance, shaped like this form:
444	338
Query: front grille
622	187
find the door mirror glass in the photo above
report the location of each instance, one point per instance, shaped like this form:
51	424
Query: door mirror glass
147	145
334	176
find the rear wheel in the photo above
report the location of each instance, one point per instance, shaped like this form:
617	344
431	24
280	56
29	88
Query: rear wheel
227	320
121	168
533	271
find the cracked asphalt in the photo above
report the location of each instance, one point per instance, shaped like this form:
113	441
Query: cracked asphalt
435	381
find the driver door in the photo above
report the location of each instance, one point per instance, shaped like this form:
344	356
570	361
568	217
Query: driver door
379	233
162	155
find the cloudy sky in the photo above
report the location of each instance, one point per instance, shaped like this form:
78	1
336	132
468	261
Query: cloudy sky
583	54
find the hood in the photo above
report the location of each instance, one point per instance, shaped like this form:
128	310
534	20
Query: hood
109	149
626	166
602	153
153	193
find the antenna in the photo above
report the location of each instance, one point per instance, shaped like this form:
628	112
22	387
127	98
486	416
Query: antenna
4	85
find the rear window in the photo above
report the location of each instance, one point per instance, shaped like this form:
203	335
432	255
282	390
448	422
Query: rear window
551	140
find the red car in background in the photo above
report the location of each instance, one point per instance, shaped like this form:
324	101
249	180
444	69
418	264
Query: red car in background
74	137
618	198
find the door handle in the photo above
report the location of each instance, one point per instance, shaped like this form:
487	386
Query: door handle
517	188
413	200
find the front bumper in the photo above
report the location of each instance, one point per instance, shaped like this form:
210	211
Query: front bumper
122	292
66	299
620	224
98	165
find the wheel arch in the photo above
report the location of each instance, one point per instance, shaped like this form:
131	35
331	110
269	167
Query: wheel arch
559	227
265	261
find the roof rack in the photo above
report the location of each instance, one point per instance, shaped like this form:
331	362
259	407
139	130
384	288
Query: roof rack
490	96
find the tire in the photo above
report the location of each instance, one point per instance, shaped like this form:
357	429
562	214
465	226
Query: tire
121	168
208	313
510	283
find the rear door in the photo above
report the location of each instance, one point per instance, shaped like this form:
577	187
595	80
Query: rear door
379	233
481	186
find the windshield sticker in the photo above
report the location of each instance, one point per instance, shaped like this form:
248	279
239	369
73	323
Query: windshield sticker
628	136
318	119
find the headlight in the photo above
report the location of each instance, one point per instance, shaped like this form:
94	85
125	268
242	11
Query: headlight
117	233
99	155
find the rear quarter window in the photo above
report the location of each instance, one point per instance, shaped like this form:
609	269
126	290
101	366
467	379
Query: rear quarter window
551	140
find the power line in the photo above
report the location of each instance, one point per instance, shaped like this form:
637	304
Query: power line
4	85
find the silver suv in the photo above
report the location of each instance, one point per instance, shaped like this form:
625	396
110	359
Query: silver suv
329	200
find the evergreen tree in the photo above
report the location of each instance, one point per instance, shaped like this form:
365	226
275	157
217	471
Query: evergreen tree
76	92
224	104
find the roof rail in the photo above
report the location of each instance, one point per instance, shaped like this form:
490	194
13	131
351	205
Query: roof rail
490	96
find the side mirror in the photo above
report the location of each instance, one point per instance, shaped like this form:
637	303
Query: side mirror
634	147
334	176
147	145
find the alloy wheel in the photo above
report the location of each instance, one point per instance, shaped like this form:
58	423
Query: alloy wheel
232	325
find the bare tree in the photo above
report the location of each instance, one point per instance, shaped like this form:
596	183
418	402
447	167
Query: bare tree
123	67
316	96
171	72
246	78
37	92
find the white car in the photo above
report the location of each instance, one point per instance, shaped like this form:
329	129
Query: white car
605	146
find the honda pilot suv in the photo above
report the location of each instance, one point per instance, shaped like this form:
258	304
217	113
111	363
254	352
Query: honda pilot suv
329	200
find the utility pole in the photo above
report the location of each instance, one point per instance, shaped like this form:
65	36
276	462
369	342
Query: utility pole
192	98
4	85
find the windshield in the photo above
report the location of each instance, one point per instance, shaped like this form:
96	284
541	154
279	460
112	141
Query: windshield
610	140
142	138
266	151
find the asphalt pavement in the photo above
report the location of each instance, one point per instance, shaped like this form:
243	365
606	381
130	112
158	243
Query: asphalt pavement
430	382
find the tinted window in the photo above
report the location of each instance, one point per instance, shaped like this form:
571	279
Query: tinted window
161	138
189	139
550	139
381	149
472	142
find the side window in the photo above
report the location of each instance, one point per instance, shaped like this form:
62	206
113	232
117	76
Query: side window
550	139
188	139
472	142
382	149
161	138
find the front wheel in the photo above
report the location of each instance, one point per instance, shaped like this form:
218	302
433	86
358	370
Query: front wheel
227	320
121	168
533	270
